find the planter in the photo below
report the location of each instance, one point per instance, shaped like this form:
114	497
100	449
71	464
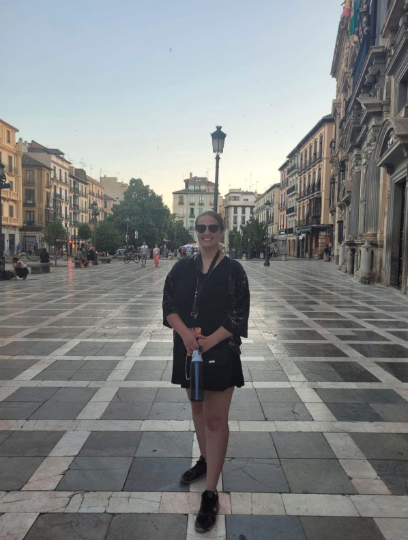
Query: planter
262	255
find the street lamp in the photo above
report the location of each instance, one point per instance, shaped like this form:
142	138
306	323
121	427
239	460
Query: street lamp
249	222
95	213
268	206
3	185
127	235
218	140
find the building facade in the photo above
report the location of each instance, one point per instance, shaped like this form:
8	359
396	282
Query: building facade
283	204
291	200
55	160
79	212
37	201
11	199
314	229
113	187
196	197
261	211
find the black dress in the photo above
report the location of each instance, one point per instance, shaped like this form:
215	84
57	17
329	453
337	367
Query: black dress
224	301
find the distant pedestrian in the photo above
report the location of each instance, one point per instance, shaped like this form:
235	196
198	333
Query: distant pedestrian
19	247
20	269
156	255
44	256
189	251
91	256
326	252
144	252
184	250
30	251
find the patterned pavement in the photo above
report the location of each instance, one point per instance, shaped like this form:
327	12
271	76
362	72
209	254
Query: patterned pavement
93	437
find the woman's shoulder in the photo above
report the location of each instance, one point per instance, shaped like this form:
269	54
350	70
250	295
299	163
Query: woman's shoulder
236	267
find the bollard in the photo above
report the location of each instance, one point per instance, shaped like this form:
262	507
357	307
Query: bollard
365	263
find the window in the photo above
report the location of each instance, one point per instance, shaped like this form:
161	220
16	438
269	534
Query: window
235	220
181	212
243	220
66	213
55	172
235	210
30	218
191	224
201	200
192	200
11	185
10	164
29	196
200	211
191	212
402	93
105	204
181	199
66	177
30	177
11	211
321	147
48	199
8	136
60	174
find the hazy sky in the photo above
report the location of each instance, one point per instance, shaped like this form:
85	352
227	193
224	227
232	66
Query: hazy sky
134	88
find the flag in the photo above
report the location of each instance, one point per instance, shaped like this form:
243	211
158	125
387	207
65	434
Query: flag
347	8
354	17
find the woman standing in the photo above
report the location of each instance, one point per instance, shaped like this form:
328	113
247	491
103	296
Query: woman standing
209	292
156	255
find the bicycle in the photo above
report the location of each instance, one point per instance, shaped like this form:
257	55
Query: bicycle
132	257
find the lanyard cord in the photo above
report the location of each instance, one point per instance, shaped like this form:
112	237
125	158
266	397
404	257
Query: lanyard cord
199	288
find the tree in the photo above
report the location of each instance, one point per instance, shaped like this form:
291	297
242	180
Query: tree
84	232
107	237
148	215
256	232
53	233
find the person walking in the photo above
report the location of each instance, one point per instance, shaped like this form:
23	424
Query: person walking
91	256
156	255
144	252
20	269
44	256
209	294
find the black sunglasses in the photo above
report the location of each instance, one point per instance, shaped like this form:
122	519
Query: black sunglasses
202	228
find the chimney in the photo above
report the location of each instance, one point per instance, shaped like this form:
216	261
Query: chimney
191	175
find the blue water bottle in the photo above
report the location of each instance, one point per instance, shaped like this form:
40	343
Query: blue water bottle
197	377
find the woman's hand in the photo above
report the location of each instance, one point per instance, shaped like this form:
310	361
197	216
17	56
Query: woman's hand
206	343
190	340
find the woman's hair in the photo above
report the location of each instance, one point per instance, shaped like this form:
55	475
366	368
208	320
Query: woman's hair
214	215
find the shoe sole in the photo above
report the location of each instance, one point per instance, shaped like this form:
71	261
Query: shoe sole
193	481
202	531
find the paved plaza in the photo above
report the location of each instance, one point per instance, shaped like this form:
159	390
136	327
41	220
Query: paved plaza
93	436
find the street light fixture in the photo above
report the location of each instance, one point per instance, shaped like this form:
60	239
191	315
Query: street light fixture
249	222
127	235
218	140
95	212
268	206
3	185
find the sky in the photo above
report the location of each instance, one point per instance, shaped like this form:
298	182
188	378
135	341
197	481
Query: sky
133	89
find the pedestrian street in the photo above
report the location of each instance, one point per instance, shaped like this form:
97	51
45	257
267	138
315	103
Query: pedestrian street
94	438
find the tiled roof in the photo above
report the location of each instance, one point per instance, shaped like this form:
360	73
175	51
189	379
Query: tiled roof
31	162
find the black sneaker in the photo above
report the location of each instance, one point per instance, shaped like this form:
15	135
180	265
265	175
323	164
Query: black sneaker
207	515
195	473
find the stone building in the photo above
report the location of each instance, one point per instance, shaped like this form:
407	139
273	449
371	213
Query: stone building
260	210
37	201
78	213
11	199
239	206
284	182
113	187
368	164
291	199
313	222
196	197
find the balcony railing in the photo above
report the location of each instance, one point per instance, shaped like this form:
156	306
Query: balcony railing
12	170
282	205
75	207
192	203
310	190
30	202
48	184
29	182
30	223
291	210
293	168
292	189
289	231
315	220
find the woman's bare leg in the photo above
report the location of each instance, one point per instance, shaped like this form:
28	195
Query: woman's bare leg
199	424
216	410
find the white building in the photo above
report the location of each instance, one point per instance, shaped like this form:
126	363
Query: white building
238	208
260	210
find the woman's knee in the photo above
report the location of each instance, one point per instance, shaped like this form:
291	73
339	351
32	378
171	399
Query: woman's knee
197	408
215	421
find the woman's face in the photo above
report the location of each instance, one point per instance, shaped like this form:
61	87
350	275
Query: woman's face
208	239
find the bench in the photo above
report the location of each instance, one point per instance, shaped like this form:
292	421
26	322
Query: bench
78	264
105	260
120	258
41	268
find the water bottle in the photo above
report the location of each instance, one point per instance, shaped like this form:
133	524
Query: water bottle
197	377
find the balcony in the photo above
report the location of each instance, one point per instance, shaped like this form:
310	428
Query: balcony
282	205
29	202
8	194
192	203
11	170
29	223
29	182
58	196
289	231
75	223
48	184
76	189
75	207
10	221
310	190
291	210
314	220
292	189
293	168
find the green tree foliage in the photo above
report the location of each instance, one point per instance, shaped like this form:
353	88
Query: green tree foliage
107	237
256	232
84	232
53	233
148	215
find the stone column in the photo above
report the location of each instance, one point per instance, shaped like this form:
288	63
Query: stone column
372	207
342	255
365	266
350	262
355	202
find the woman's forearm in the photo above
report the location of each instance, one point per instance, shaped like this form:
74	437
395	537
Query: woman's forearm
220	334
177	324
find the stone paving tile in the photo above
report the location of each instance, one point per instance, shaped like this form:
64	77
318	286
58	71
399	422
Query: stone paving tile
397	369
254	475
96	474
70	527
157	474
112	444
261	528
391	446
340	528
148	527
302	445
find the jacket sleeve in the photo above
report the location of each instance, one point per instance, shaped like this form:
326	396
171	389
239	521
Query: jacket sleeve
170	284
236	321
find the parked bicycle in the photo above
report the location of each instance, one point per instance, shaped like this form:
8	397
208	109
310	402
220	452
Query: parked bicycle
132	256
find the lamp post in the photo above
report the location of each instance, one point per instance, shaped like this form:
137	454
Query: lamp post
249	222
95	212
218	140
3	185
127	235
268	206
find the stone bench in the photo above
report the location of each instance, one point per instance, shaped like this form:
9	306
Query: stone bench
41	268
105	260
120	258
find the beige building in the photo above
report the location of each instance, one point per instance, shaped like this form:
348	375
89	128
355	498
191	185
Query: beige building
11	199
55	160
196	197
239	206
260	210
37	201
78	205
313	218
113	187
108	203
